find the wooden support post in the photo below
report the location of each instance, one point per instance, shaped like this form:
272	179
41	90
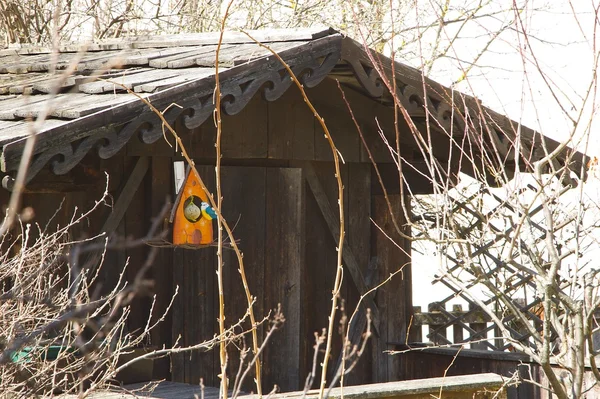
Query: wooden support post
416	329
436	331
457	329
477	327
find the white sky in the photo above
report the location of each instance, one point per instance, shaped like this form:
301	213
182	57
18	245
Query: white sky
562	43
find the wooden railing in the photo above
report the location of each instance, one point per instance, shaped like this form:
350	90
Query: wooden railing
458	326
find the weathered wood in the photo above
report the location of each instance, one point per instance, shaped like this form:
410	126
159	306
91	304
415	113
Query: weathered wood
181	77
291	128
162	390
439	362
329	101
472	386
244	190
347	255
437	332
201	308
239	84
394	298
129	189
478	328
245	135
80	179
438	318
161	170
285	270
416	331
135	221
178	315
235	55
358	230
127	80
457	330
185	57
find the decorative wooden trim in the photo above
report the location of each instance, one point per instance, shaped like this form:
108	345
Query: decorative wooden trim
65	146
449	111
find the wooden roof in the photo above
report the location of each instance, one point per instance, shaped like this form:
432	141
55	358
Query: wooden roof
91	109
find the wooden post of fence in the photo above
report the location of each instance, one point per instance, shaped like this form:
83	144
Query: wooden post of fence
416	328
436	330
479	326
499	341
457	329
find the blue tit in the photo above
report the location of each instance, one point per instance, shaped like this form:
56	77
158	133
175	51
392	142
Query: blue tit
192	209
207	211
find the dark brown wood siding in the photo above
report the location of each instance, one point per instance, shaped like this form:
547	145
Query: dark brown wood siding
289	247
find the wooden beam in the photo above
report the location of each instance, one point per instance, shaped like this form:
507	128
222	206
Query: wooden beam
347	254
118	211
358	324
459	387
129	189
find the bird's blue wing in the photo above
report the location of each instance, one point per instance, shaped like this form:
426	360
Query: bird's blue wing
211	212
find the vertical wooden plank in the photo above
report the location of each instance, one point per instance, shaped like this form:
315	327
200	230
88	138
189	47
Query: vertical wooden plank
358	232
194	308
436	332
178	315
136	222
416	330
284	268
203	304
160	192
291	128
457	329
320	260
392	298
245	135
477	327
243	190
328	101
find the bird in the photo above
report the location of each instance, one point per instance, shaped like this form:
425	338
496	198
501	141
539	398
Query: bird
192	208
207	211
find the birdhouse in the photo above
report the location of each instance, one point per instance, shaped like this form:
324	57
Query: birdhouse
192	215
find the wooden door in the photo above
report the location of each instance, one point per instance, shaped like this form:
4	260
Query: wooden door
264	206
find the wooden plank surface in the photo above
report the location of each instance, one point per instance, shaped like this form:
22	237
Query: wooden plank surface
348	254
244	191
394	298
358	232
245	134
133	198
195	319
161	176
284	277
291	128
154	390
400	389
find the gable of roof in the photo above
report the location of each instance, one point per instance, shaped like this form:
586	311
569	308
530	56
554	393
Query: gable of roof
90	107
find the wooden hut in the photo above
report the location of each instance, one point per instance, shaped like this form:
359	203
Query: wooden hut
277	179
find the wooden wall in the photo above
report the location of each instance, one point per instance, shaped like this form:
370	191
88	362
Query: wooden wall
288	243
